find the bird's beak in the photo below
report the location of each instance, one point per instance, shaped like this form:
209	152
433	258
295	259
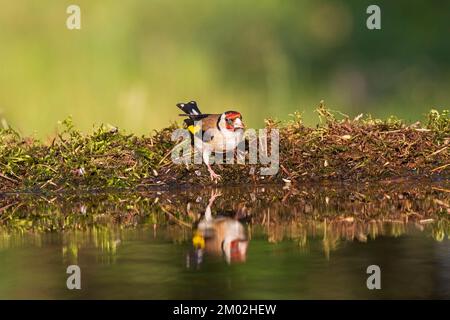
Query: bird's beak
238	124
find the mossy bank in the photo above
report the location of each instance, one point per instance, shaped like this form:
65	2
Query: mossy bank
340	148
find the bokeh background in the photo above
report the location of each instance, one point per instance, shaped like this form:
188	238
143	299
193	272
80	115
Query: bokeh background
132	61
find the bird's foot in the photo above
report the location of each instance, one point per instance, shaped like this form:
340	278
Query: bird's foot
215	193
214	176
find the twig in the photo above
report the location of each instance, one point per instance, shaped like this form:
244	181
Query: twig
8	178
392	131
7	206
167	154
441	203
440	189
441	167
176	219
423	130
439	151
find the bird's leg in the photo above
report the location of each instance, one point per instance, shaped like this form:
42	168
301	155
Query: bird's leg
214	194
214	176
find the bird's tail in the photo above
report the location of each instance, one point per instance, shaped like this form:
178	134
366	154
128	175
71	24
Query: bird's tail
190	108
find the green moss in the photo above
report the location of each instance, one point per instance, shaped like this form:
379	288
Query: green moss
339	148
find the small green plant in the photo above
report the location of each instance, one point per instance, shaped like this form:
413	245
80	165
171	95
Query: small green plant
439	121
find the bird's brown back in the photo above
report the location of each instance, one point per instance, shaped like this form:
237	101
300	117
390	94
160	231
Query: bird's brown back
210	122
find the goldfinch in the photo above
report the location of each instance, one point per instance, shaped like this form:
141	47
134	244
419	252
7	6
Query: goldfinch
221	235
219	133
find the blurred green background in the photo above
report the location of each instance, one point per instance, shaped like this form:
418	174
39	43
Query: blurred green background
132	61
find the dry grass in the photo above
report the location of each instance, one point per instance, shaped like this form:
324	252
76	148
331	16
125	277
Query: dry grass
344	149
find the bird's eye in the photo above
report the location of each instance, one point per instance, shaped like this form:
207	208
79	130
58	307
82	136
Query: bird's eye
229	121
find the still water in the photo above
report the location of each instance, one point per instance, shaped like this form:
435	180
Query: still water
264	243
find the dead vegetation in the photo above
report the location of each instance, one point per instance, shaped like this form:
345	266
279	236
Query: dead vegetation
338	149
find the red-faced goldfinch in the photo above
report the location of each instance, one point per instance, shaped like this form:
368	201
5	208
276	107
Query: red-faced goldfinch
221	235
219	133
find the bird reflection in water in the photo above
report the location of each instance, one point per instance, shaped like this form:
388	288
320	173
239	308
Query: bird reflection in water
223	235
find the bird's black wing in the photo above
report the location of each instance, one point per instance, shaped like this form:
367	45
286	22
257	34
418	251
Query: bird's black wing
190	108
193	118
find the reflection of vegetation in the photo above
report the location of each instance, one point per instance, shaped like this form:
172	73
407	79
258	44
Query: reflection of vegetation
106	238
358	149
440	229
334	231
332	213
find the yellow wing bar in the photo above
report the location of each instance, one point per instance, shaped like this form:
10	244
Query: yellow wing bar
194	129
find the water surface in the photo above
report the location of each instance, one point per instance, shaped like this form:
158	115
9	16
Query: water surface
305	243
